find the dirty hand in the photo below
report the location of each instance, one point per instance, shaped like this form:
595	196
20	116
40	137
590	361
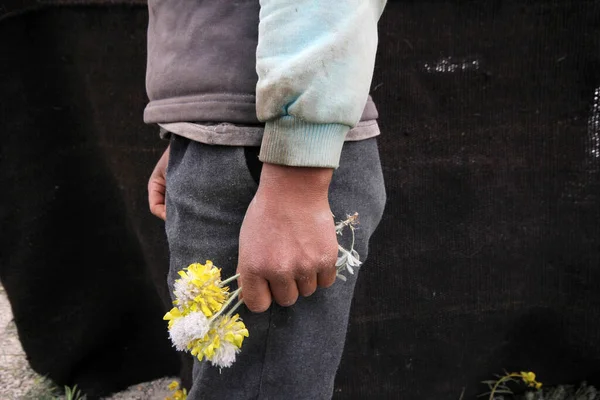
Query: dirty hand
288	244
157	185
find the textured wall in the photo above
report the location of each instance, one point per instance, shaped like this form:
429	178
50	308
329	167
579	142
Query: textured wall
488	257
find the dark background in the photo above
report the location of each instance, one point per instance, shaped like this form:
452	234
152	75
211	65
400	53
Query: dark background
488	257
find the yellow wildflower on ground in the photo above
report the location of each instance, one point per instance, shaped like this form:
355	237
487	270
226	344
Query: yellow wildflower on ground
529	379
500	385
178	394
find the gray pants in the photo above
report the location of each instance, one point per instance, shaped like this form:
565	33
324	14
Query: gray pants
294	352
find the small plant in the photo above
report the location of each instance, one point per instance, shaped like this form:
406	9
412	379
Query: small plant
73	393
500	385
42	389
45	389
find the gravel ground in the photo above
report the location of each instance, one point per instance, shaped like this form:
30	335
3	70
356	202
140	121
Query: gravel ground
19	382
155	390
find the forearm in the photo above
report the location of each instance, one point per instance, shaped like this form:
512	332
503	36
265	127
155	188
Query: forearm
315	63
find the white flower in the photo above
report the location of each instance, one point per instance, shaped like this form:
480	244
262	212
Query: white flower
342	277
350	221
225	355
347	260
184	291
231	332
185	329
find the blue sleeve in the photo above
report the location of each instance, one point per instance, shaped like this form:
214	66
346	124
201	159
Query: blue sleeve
315	61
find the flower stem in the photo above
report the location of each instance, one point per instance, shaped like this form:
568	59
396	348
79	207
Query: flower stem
347	222
233	296
230	279
501	380
230	312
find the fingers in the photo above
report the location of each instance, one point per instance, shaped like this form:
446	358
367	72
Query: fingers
156	200
307	284
328	272
326	277
160	211
255	292
258	292
157	187
284	290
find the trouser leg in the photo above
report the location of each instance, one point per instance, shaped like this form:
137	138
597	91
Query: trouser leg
292	352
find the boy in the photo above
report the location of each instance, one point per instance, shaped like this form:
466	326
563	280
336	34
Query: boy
314	60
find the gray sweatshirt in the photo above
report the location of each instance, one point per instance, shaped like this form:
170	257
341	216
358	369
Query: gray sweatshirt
218	70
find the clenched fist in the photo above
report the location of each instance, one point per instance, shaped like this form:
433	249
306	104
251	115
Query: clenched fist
288	243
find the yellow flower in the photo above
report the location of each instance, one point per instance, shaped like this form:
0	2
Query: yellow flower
178	394
222	342
172	316
205	347
232	330
529	378
199	289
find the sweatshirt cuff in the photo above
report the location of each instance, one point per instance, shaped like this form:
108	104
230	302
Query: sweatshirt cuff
294	142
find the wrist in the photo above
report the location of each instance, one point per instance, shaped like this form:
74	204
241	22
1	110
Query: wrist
308	183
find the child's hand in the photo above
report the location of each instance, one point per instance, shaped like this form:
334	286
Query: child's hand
157	187
288	244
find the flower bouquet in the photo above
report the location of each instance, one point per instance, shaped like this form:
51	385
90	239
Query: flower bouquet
203	319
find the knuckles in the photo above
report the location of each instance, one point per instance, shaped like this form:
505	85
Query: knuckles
251	268
305	270
327	261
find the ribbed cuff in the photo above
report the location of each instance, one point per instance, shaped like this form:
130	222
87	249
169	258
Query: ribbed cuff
291	141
